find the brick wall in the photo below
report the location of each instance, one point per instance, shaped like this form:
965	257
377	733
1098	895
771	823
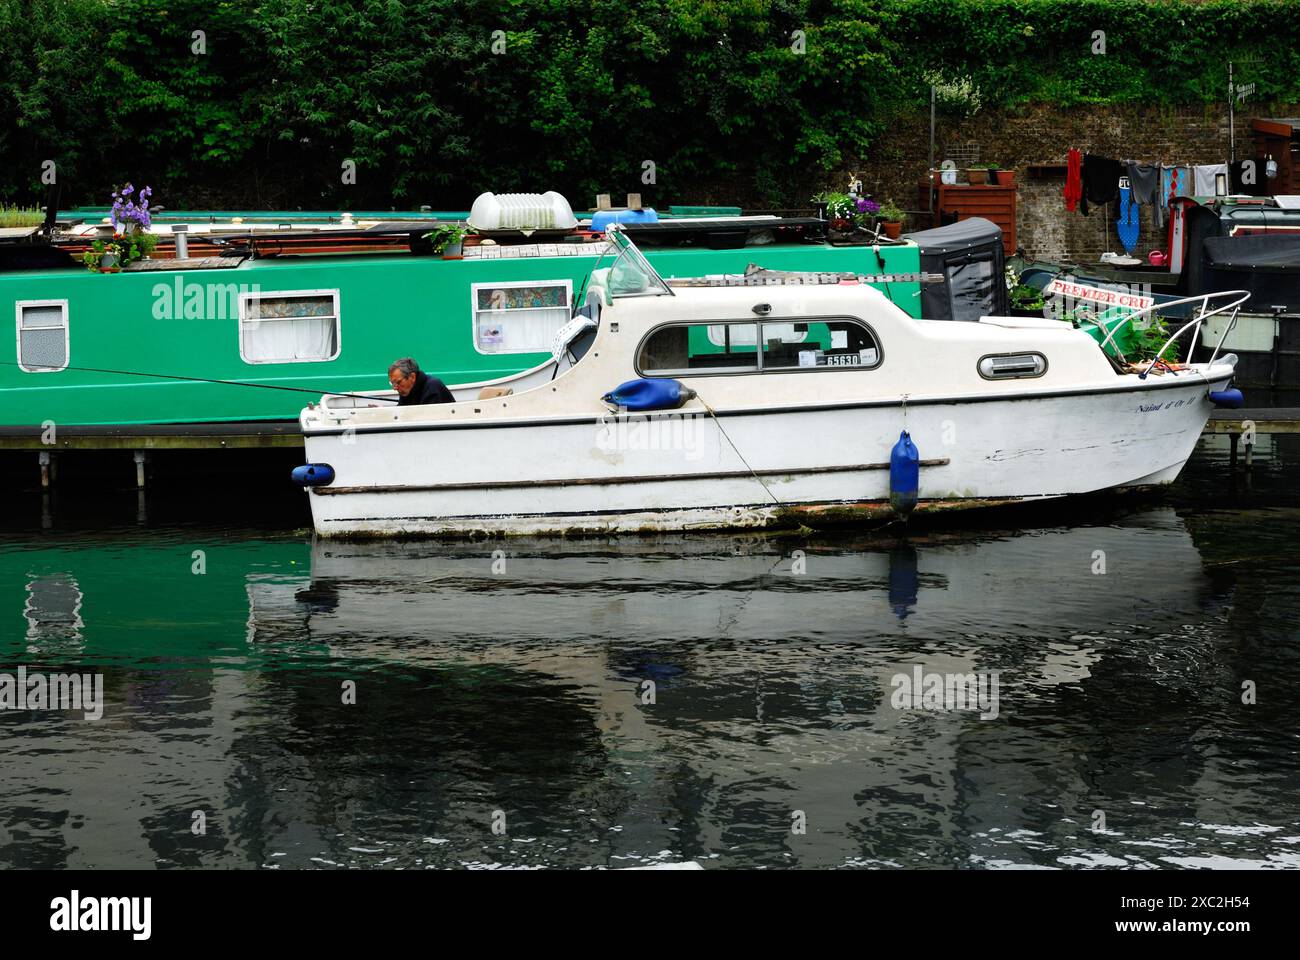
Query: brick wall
1043	134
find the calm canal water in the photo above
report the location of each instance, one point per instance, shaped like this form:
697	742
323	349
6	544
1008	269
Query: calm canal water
731	700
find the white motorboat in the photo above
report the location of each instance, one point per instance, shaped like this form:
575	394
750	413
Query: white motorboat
794	390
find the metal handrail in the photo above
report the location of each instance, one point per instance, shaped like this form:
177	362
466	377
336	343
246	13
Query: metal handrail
1203	299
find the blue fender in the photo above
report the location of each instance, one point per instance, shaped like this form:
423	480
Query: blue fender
313	475
904	475
1230	398
647	394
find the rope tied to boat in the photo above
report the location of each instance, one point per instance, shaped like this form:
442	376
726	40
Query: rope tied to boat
722	430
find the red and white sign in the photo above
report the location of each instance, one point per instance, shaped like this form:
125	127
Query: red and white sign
1113	298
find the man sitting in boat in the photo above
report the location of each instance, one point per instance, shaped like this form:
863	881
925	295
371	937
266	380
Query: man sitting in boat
414	386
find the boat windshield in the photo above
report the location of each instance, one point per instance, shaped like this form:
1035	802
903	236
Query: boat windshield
631	275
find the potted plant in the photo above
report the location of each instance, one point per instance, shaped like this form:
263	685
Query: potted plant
1004	177
977	176
892	217
840	209
866	214
448	240
127	238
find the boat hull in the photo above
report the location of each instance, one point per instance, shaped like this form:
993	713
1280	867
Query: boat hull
751	468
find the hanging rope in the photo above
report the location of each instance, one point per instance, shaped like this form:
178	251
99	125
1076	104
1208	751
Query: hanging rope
721	430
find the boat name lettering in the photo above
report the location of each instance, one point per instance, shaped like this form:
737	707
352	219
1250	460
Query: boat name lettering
1152	407
1115	298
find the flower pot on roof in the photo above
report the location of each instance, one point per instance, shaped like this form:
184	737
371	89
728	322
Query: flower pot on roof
977	176
448	241
1005	178
127	238
892	216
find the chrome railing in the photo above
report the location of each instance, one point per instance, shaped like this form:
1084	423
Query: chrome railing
1203	313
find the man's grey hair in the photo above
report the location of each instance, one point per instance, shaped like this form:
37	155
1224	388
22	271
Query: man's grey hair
406	366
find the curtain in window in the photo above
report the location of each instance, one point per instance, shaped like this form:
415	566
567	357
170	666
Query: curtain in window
520	331
290	328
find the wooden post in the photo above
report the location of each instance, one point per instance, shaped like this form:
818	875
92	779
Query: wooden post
1250	450
44	459
139	469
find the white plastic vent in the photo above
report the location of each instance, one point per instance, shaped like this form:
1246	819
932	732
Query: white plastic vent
522	211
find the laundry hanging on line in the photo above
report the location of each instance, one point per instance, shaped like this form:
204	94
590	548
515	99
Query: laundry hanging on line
1100	180
1073	179
1204	174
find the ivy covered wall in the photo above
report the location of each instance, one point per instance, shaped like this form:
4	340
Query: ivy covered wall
261	104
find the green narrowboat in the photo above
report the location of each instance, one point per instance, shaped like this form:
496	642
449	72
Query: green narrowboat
328	308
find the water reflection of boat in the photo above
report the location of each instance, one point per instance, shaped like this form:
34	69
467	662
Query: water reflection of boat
986	582
789	672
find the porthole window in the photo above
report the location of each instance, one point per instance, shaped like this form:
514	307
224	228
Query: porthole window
1012	366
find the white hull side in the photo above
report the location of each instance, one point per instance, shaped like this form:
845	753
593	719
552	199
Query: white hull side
503	479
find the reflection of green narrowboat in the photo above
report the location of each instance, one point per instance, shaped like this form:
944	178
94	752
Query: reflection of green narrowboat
327	309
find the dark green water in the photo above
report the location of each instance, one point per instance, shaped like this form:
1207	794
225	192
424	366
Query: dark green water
516	695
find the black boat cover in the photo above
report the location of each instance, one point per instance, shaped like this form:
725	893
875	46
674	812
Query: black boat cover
970	256
1253	253
1267	266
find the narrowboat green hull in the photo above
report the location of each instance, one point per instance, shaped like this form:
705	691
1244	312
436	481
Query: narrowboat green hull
186	324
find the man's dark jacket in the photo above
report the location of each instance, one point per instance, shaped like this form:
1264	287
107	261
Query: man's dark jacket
426	390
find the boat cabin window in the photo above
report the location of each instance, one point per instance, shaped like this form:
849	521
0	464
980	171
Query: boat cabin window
699	348
828	343
289	327
691	348
520	317
42	335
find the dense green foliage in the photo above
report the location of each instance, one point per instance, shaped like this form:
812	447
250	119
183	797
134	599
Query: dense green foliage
433	104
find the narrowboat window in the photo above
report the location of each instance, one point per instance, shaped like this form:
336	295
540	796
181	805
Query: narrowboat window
520	317
42	335
824	343
295	327
690	348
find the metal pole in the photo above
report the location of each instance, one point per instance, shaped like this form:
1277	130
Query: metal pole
930	175
1232	125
